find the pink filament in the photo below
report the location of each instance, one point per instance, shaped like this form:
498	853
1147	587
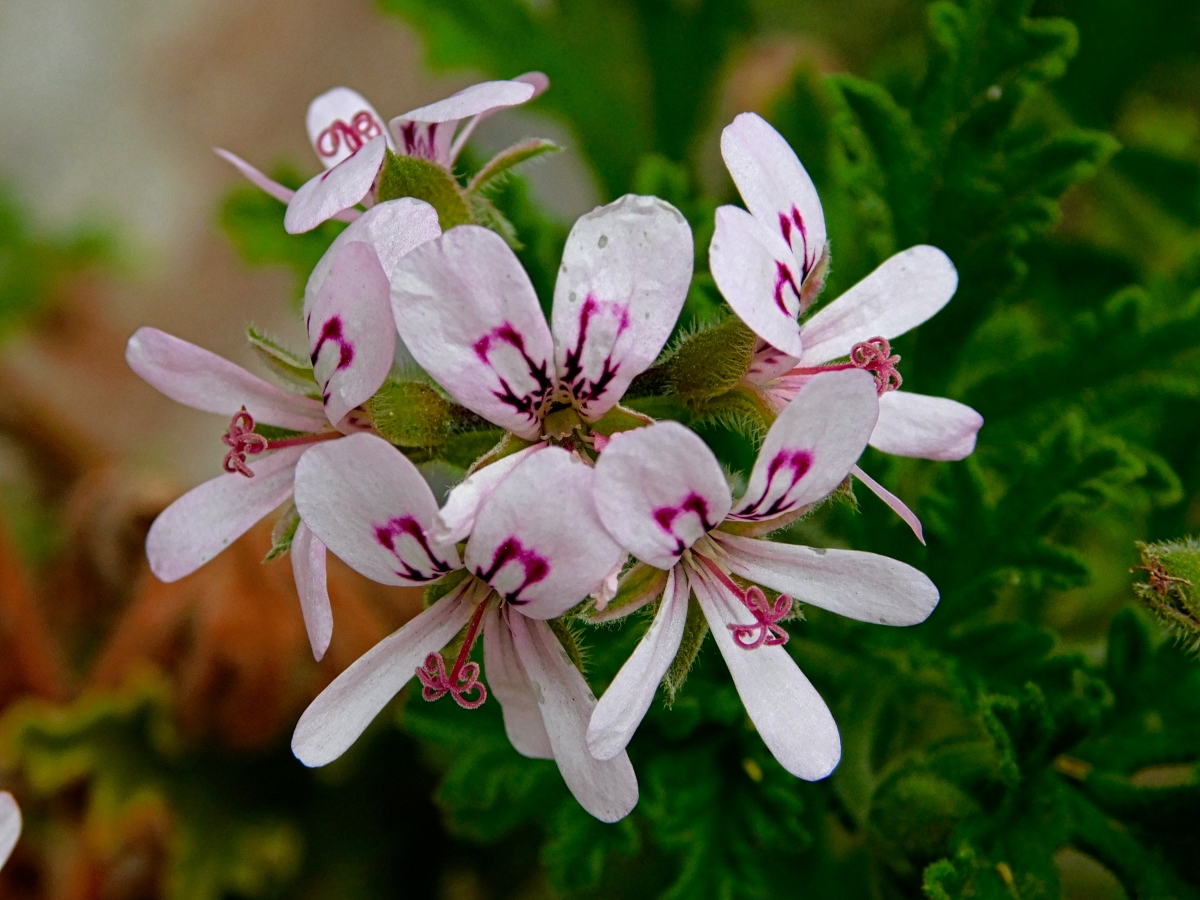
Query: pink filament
463	678
874	356
767	616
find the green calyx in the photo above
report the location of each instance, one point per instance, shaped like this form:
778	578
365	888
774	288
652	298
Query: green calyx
410	176
703	365
415	416
1172	586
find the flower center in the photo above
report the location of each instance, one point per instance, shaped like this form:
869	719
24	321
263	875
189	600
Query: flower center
463	677
242	440
766	628
874	356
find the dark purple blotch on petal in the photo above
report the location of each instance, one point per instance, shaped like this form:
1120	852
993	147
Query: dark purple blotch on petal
582	390
400	526
526	405
793	464
668	516
536	567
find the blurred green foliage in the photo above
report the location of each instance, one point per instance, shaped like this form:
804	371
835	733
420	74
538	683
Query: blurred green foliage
1036	720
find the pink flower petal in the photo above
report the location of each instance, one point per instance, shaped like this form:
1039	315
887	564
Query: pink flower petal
458	514
510	687
926	427
368	504
336	189
659	489
769	363
758	277
428	132
339	122
777	190
812	445
538	540
342	712
608	790
10	826
898	506
351	333
308	568
624	276
898	296
851	583
202	380
392	228
468	314
209	518
786	709
255	177
627	699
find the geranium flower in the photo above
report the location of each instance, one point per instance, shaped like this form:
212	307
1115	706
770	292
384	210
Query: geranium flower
10	826
467	312
664	497
770	262
368	503
351	141
352	343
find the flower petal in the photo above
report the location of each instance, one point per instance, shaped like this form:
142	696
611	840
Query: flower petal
608	790
308	568
769	363
898	296
368	504
776	188
392	228
624	704
624	276
786	709
812	445
202	380
339	122
510	687
659	489
468	314
342	712
209	518
898	506
428	132
863	586
255	177
757	276
10	826
351	332
458	514
926	427
334	190
538	540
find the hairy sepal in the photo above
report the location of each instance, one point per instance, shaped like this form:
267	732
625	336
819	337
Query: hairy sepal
283	533
504	161
414	414
1171	589
508	445
443	586
743	411
570	641
291	367
410	176
694	633
640	585
702	365
619	419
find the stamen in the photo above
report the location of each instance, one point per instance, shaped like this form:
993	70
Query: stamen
463	678
766	629
242	439
1160	581
875	356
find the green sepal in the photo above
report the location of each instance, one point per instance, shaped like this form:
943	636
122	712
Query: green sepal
570	641
443	586
284	532
620	418
743	411
1172	588
464	448
508	445
695	630
506	159
638	582
702	365
409	176
280	360
484	212
415	415
275	433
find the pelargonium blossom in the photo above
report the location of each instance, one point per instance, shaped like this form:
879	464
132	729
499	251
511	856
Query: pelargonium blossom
10	826
467	312
352	343
769	264
664	497
368	503
351	141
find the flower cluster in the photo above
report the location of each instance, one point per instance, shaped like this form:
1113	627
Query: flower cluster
425	331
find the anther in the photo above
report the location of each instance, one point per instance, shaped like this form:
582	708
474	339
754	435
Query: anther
463	677
766	629
875	356
241	440
1160	582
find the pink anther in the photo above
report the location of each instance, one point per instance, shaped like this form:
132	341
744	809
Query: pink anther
363	126
463	678
241	440
766	629
876	357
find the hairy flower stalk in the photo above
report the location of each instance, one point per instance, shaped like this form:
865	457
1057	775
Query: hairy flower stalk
782	231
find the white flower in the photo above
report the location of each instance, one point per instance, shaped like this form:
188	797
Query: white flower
664	497
769	264
351	141
372	508
10	826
